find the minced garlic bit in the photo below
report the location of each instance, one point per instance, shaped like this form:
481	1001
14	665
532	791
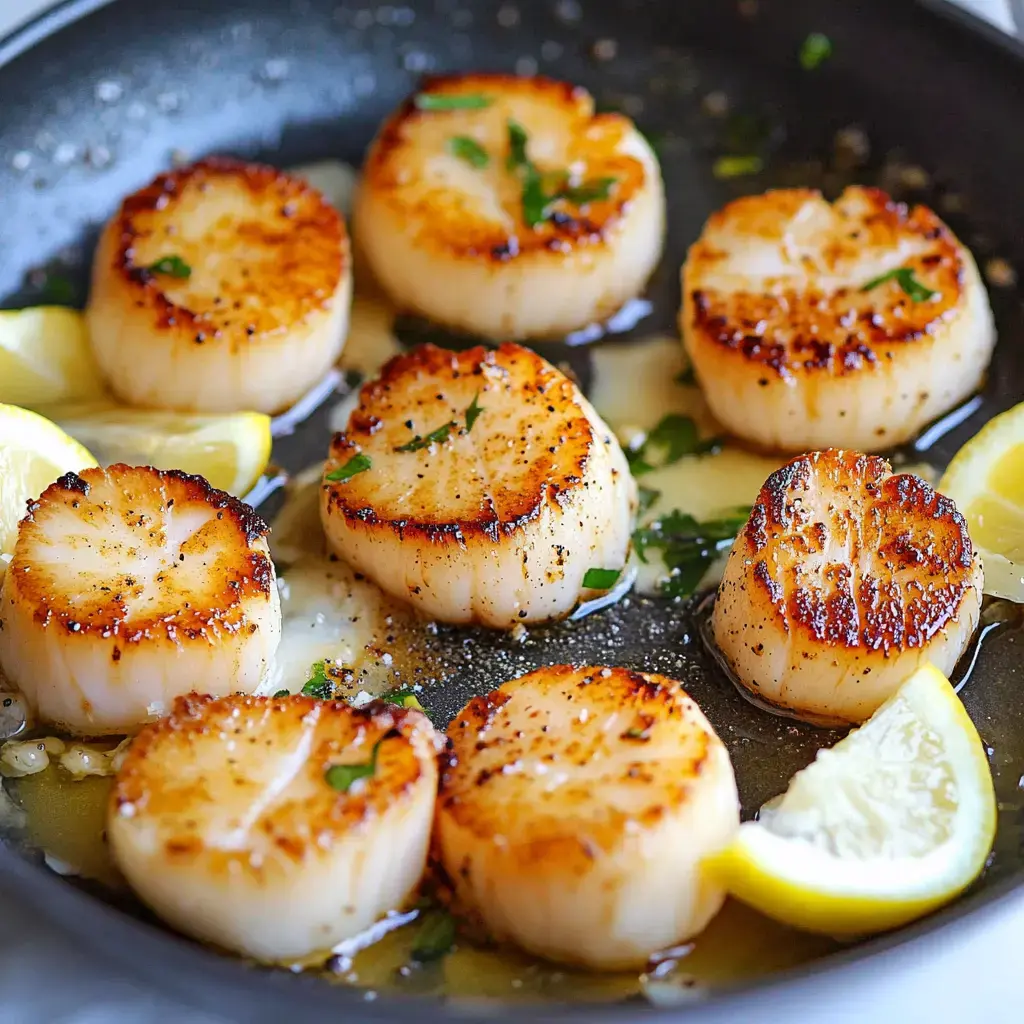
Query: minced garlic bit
19	758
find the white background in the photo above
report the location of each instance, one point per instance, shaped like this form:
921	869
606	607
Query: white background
971	972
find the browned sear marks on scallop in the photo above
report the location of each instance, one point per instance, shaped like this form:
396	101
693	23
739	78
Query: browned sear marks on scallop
858	557
796	322
265	250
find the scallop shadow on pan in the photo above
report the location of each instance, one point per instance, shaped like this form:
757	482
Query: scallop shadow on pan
95	111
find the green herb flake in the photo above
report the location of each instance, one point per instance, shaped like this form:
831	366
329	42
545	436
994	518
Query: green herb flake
172	266
688	547
517	141
469	150
904	277
435	938
726	167
57	290
674	437
404	699
342	776
418	443
637	732
473	412
815	50
646	497
687	377
283	693
601	579
452	101
357	464
541	190
319	684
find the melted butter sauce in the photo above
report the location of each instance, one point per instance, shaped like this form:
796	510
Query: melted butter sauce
331	612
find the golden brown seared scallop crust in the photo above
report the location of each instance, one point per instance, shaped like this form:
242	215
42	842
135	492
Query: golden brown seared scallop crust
312	814
844	578
275	827
489	486
130	586
799	344
225	268
575	806
448	236
202	583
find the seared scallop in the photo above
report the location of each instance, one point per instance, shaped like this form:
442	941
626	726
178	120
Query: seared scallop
480	486
844	581
850	324
130	586
220	287
507	207
275	827
575	807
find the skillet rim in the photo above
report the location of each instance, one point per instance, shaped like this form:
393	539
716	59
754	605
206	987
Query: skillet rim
158	954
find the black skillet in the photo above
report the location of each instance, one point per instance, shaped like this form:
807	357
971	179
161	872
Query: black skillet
97	95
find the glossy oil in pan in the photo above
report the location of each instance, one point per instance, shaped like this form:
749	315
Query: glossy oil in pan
97	97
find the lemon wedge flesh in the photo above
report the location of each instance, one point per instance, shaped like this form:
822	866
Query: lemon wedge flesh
892	822
986	480
230	451
33	453
45	357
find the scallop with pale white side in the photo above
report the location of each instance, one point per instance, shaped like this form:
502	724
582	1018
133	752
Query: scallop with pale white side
851	324
220	287
574	810
129	587
479	486
844	581
275	827
506	207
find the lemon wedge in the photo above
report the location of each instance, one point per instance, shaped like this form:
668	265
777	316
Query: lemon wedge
230	451
33	453
892	822
986	480
45	357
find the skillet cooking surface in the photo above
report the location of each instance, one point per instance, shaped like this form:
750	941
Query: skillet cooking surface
93	113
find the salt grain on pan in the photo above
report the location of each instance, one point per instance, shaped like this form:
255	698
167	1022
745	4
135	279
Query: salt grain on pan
109	91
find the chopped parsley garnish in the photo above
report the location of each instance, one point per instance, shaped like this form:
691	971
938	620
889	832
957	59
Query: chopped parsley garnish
452	101
646	497
542	191
319	683
815	50
601	579
283	693
590	191
404	699
726	167
469	150
57	290
637	732
673	438
342	776
435	938
904	277
517	139
172	266
688	547
357	464
418	443
473	412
